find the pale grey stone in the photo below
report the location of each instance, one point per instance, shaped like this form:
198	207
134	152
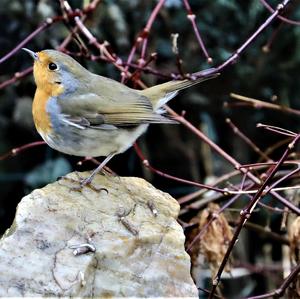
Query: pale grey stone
139	253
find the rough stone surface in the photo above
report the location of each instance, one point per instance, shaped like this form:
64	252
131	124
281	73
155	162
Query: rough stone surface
138	253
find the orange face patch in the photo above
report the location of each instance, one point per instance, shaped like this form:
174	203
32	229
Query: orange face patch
46	88
45	78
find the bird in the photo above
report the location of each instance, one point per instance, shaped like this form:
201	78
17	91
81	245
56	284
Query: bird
80	113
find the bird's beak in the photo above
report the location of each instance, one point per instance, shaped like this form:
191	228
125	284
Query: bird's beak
31	53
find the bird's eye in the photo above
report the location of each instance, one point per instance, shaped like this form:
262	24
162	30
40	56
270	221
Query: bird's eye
52	66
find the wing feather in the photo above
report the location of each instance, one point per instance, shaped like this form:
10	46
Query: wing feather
108	102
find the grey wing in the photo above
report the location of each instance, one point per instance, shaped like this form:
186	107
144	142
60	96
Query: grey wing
88	121
125	108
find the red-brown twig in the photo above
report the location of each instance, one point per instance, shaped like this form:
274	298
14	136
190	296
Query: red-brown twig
258	104
20	149
192	17
286	20
230	159
188	198
107	55
32	35
48	22
238	132
267	47
168	176
261	28
288	175
43	26
277	130
17	76
246	213
142	38
102	47
281	290
213	218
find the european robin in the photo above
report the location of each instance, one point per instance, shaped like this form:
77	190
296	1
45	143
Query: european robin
83	114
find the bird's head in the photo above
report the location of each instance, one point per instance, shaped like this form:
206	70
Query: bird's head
56	72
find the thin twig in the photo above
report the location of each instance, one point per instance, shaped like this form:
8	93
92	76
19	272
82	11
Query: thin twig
17	76
277	130
168	176
32	35
246	213
230	159
20	149
286	20
281	290
267	233
238	132
213	218
142	38
270	19
192	17
261	104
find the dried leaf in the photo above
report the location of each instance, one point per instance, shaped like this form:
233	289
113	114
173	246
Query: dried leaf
214	243
294	238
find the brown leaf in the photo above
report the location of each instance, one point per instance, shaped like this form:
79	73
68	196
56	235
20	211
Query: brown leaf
214	243
294	238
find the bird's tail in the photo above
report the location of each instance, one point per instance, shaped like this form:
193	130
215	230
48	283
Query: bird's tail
160	94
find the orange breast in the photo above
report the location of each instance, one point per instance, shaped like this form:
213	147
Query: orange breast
42	96
40	116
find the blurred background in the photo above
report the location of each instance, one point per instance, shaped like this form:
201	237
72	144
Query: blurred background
268	70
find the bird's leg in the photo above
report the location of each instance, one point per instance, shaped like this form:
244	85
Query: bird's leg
88	181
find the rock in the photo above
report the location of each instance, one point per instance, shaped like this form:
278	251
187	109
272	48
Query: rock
139	245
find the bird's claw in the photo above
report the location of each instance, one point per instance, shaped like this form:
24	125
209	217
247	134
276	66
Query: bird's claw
82	182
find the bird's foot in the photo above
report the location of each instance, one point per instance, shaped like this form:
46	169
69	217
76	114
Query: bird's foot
81	183
87	182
